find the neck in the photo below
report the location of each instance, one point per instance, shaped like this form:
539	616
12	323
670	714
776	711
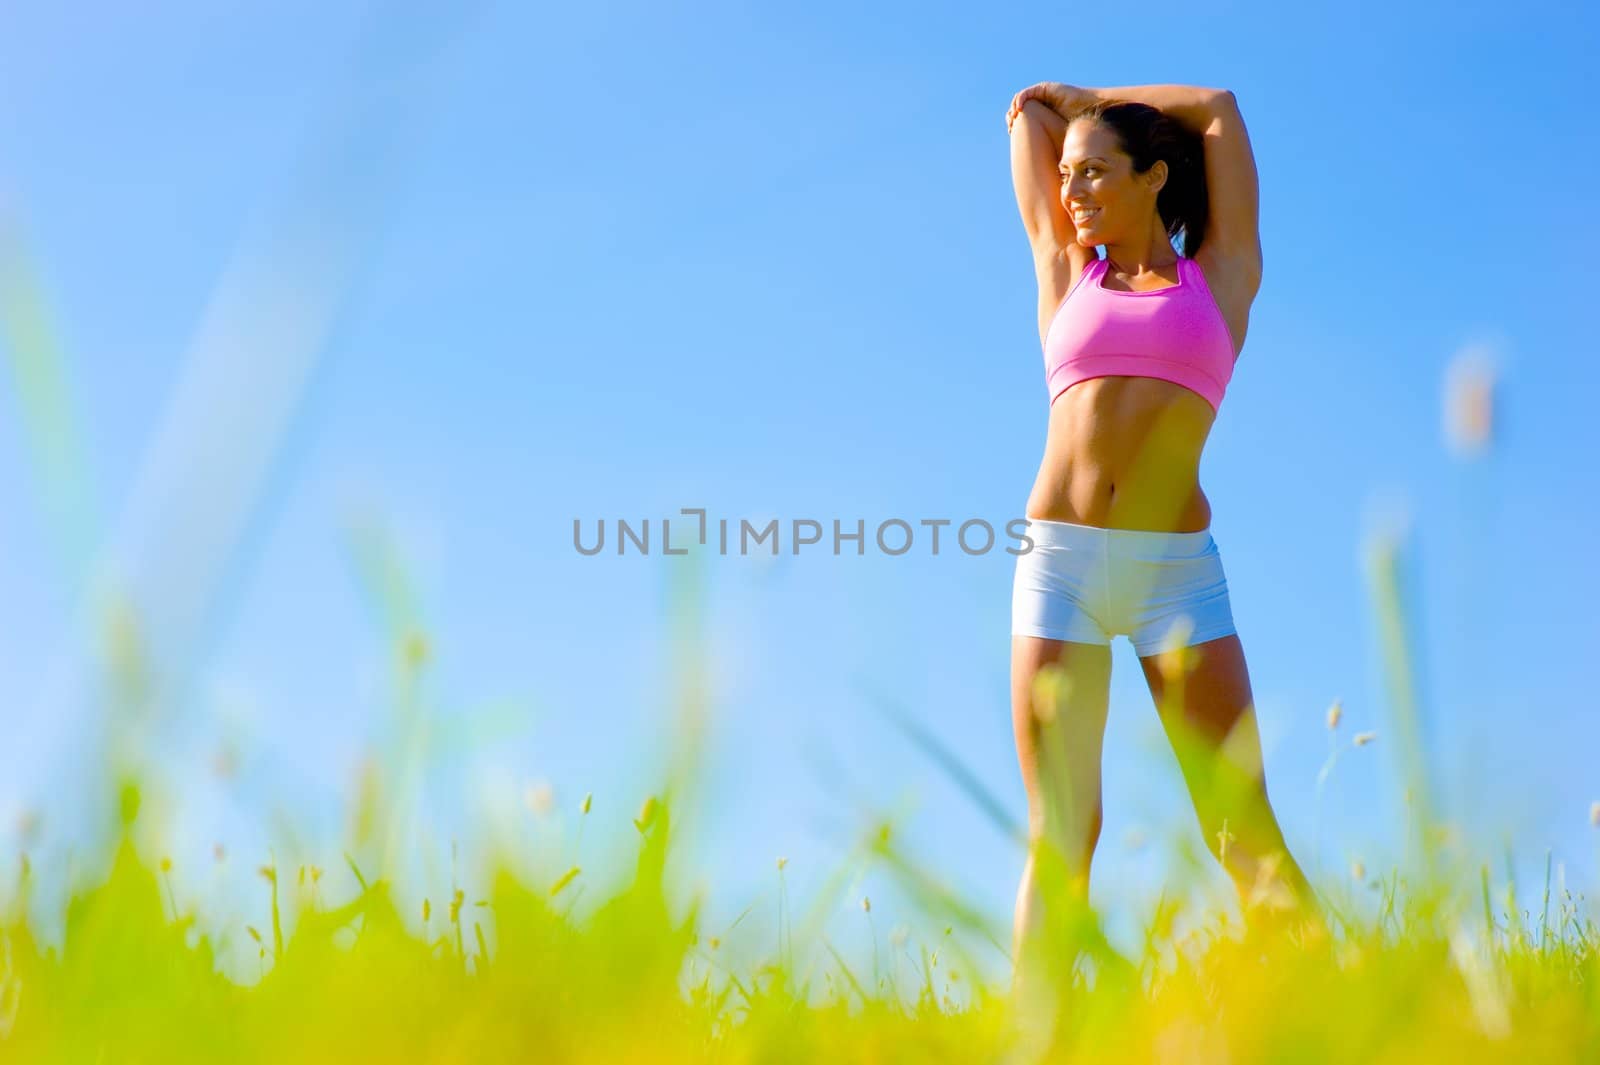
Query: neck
1141	256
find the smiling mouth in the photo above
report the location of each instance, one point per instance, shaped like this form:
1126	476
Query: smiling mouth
1081	217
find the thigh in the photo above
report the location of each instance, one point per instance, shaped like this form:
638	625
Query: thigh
1060	693
1202	694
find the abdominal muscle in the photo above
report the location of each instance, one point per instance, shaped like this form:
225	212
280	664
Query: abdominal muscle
1124	453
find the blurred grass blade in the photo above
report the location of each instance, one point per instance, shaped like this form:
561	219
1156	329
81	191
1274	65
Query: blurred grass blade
946	759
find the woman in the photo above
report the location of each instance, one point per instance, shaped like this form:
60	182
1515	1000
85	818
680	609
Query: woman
1139	348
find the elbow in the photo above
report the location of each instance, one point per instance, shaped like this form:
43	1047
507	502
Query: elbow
1224	100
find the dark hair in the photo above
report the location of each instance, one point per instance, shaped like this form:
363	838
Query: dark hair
1146	134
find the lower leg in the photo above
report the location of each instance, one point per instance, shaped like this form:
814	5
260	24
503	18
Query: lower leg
1052	903
1248	841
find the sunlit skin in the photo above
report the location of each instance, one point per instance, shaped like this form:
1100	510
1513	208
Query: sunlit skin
1124	452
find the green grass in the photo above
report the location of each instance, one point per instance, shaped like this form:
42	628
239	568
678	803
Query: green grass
1432	960
1427	977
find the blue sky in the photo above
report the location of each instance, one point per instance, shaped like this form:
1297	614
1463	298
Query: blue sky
471	279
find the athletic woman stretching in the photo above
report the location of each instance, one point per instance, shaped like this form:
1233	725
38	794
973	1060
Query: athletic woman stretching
1138	350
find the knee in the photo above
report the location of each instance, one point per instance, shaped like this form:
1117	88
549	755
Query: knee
1091	839
1074	838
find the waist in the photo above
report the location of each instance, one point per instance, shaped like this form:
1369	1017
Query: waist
1126	543
1163	501
1124	452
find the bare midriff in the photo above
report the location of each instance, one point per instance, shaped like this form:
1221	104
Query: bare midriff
1124	453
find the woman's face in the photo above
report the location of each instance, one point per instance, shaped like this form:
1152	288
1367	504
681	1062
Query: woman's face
1099	190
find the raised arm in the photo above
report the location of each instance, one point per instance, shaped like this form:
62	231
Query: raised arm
1233	230
1036	137
1192	105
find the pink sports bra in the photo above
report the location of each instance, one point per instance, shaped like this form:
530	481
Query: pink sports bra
1176	333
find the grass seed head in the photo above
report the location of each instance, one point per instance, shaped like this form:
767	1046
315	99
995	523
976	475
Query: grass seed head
224	763
1335	712
540	797
1469	390
566	878
1269	888
647	814
1364	738
28	822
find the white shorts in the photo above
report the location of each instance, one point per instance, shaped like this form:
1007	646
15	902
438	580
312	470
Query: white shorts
1089	584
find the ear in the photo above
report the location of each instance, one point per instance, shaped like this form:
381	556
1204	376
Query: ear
1156	177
